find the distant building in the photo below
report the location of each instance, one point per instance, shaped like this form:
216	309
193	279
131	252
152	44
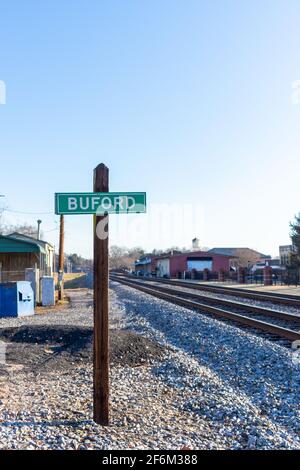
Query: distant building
273	263
174	265
143	266
19	252
285	252
244	257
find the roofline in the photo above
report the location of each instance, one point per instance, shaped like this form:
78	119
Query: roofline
30	238
187	253
21	241
238	248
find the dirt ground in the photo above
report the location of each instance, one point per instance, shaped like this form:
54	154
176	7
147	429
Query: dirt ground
43	348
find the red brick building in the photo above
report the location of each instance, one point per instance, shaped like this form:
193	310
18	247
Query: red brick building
171	265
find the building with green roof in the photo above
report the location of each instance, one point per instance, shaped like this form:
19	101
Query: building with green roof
19	252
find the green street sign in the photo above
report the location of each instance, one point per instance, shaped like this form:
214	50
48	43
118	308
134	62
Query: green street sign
99	203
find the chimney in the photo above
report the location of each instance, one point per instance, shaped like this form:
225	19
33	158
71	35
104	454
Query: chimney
195	244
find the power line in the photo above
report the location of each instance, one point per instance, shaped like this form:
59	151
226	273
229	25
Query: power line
52	230
26	213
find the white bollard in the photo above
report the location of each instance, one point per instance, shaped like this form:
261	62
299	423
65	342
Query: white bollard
47	291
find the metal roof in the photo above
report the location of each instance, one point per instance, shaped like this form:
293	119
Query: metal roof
21	236
10	244
193	254
236	251
143	261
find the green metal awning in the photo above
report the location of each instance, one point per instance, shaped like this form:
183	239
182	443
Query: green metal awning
12	245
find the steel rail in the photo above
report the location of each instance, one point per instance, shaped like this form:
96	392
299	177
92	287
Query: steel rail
246	293
225	302
285	333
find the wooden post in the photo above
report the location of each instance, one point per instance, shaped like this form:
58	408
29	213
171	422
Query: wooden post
61	259
101	355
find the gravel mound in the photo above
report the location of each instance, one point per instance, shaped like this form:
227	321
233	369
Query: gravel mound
61	347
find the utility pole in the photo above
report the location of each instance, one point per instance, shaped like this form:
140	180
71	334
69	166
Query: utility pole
61	260
101	308
100	203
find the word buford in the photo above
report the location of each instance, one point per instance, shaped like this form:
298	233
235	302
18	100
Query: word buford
100	203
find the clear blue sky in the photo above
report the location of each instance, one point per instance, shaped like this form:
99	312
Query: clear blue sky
187	100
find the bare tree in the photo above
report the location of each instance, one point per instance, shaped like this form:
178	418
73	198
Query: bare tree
24	229
123	258
117	255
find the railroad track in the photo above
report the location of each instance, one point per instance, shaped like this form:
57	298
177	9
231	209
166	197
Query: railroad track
212	305
274	297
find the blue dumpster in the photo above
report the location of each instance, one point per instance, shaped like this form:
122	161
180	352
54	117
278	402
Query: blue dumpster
16	299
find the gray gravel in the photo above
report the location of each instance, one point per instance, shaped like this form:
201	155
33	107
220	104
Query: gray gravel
239	309
218	387
245	384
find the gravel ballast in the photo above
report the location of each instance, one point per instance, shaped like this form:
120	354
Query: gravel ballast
218	295
178	378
